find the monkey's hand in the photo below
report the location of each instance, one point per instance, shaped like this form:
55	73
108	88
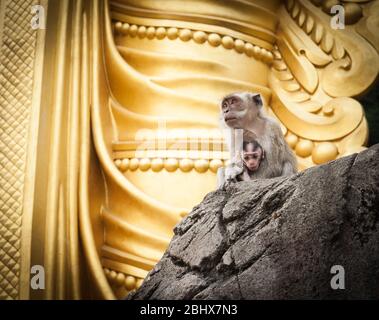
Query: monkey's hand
233	170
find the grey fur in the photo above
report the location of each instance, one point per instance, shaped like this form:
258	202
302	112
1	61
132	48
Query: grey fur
280	160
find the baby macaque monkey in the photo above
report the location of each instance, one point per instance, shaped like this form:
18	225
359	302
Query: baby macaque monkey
252	156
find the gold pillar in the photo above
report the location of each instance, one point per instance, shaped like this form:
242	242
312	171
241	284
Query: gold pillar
21	58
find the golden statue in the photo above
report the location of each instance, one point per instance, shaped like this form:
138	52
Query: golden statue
110	128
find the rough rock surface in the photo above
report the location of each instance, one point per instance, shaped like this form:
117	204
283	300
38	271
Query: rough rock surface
278	238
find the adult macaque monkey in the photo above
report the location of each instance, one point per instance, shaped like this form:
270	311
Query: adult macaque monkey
244	111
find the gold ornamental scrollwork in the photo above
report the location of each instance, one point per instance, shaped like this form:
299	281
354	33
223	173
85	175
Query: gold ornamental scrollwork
315	76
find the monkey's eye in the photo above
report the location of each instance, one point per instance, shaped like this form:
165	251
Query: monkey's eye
233	101
224	105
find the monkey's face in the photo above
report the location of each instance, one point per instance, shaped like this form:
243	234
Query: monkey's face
252	157
234	110
238	109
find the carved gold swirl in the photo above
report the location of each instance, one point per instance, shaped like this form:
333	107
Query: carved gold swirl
368	26
353	63
315	71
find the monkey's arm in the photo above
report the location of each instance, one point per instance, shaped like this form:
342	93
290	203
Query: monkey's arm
234	140
289	161
288	169
220	177
244	176
235	143
286	157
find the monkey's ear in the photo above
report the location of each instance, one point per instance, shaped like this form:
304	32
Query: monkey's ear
257	100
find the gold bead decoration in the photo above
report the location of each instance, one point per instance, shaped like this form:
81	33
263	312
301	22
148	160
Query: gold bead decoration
161	33
277	55
133	30
215	164
328	4
270	57
157	164
118	26
264	55
120	279
249	49
291	140
112	275
324	152
304	148
130	283
257	51
125	28
353	12
200	37
117	162
239	45
171	164
139	283
201	165
144	164
185	34
172	33
227	42
150	33
186	165
133	164
142	31
214	39
124	164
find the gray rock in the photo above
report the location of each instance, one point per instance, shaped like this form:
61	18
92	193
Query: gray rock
278	238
